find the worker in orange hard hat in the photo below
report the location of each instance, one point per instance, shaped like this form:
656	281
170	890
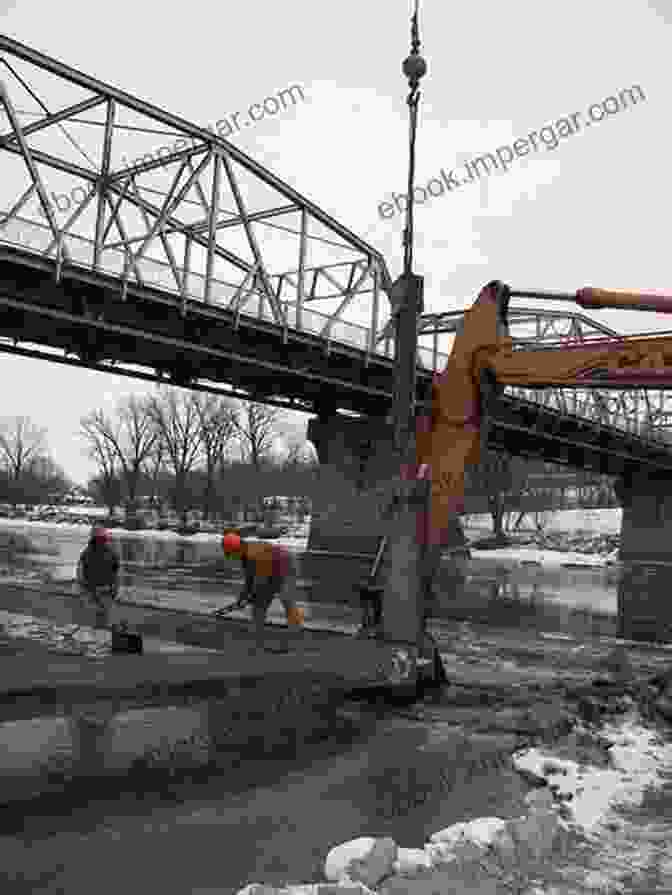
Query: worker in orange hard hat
268	570
98	573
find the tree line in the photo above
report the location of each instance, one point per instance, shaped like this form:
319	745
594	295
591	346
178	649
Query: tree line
511	487
189	450
28	474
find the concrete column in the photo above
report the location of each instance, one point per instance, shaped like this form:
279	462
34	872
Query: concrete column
357	466
645	588
348	502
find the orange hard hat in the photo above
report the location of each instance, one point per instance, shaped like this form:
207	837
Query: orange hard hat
231	543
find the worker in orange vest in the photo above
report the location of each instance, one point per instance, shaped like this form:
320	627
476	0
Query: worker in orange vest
268	570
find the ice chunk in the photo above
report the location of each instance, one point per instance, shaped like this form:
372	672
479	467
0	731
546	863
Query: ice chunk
365	860
411	860
440	853
480	831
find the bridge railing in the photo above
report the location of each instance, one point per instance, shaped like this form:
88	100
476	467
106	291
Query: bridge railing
574	403
35	237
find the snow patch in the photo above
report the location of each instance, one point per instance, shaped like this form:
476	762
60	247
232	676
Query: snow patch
636	758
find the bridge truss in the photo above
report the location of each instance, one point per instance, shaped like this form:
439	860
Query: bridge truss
95	179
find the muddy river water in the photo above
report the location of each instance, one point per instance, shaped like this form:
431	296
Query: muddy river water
191	573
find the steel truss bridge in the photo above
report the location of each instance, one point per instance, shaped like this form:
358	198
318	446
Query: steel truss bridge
137	243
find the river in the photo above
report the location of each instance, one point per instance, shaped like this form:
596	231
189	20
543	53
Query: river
162	569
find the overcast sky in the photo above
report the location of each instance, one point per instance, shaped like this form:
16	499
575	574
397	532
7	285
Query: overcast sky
591	211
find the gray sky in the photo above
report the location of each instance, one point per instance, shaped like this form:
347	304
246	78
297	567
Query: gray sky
589	212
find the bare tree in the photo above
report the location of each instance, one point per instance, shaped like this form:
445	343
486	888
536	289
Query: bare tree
297	473
103	453
176	418
217	418
256	425
156	461
135	443
21	443
132	438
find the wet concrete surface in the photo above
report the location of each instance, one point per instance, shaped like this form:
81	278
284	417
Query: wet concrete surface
273	820
214	839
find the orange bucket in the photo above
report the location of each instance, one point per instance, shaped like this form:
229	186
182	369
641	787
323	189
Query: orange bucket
295	616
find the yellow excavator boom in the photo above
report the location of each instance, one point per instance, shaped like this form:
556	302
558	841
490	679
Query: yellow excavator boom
450	440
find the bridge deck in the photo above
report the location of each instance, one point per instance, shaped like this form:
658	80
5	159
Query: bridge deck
84	317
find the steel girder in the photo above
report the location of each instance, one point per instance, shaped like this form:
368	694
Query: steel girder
202	219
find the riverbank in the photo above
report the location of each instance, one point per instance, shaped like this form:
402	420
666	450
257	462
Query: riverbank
598	761
475	750
586	827
509	691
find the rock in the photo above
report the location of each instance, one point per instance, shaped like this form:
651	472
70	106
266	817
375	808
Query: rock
440	853
411	861
365	860
340	858
480	832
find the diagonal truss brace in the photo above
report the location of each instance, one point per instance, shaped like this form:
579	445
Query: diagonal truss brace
25	152
251	238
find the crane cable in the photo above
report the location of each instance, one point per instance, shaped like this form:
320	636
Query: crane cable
412	102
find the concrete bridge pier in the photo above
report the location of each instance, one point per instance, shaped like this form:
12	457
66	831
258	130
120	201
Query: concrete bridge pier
357	465
645	588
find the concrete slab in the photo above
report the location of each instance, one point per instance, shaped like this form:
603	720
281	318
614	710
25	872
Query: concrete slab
73	721
34	681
